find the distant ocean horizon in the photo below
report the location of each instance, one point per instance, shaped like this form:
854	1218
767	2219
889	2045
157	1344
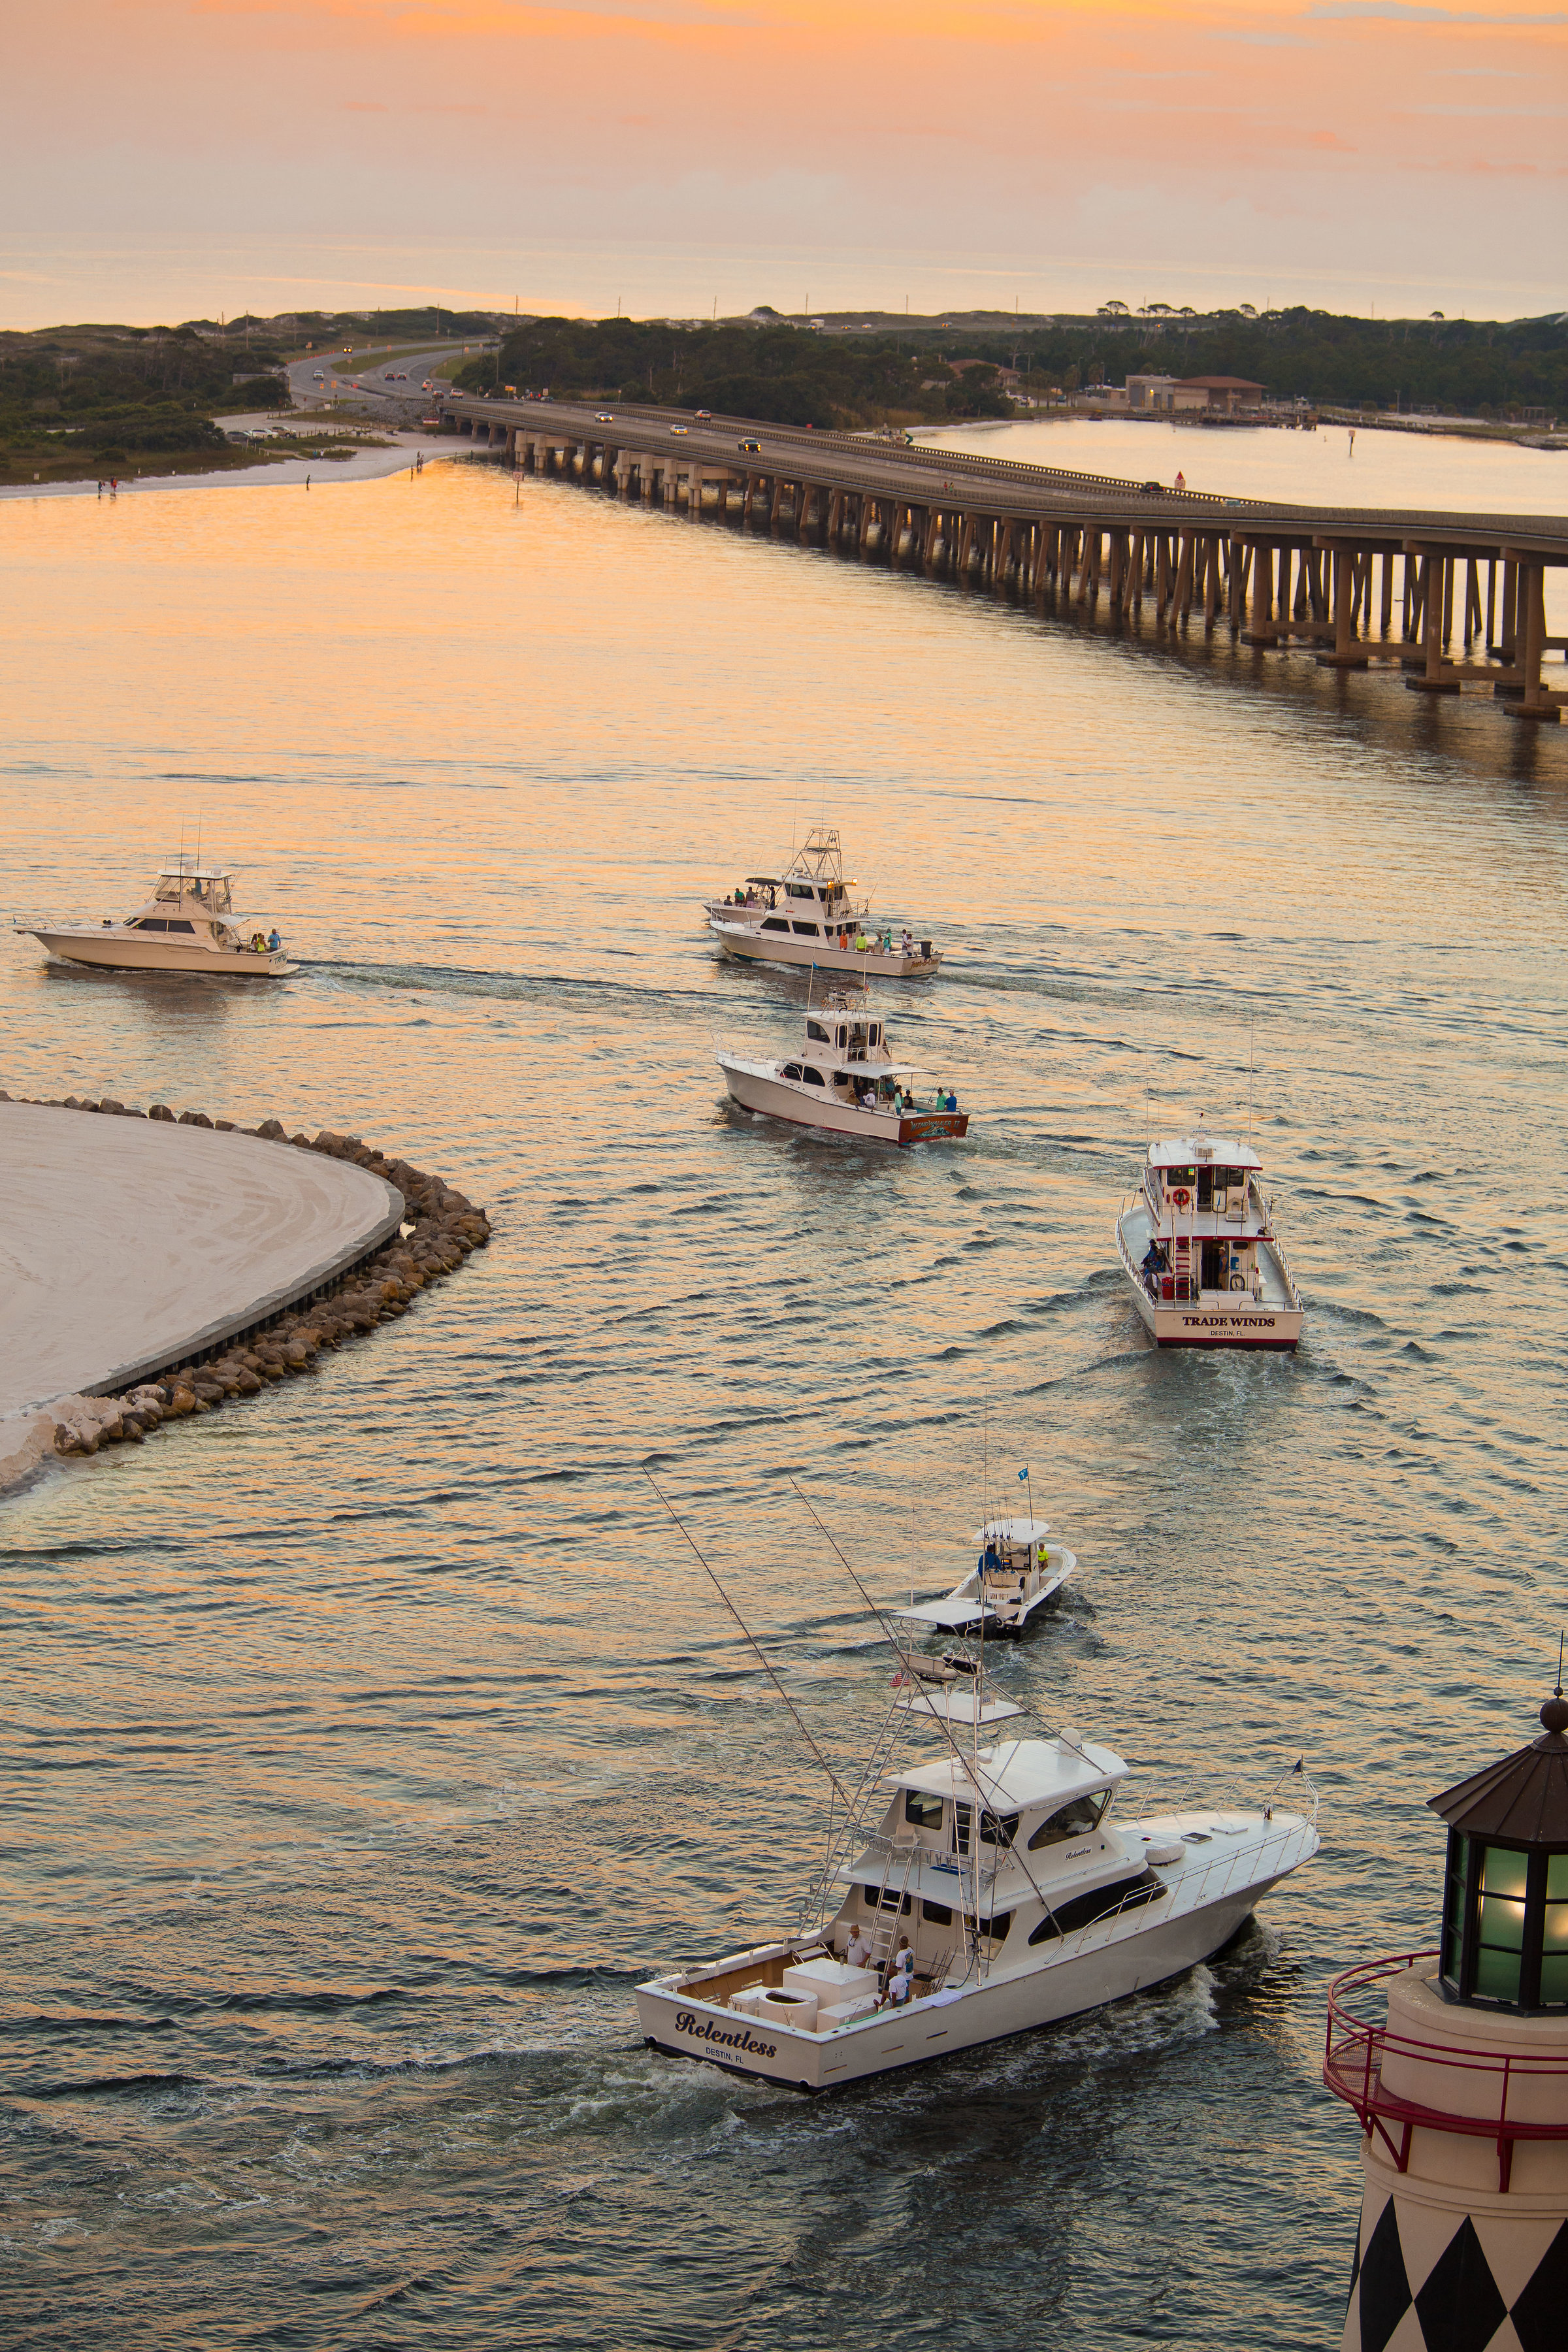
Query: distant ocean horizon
151	276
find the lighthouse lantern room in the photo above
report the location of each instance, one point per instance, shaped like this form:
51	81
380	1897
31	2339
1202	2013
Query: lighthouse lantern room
1461	2086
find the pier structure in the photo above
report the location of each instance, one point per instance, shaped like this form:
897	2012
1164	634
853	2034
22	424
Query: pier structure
1454	601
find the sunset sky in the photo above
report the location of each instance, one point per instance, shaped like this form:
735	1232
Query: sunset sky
169	157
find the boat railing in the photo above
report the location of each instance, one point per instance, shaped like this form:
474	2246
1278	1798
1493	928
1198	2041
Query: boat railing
1277	1252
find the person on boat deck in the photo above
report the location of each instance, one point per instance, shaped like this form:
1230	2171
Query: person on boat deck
858	1951
900	1975
274	942
907	943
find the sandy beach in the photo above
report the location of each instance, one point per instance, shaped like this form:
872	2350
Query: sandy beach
288	473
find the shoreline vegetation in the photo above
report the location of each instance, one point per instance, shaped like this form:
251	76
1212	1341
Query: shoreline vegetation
98	401
849	372
79	403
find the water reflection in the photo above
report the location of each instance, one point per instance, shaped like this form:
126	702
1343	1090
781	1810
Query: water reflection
371	1739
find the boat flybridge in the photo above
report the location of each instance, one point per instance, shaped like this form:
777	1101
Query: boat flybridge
806	916
1198	1246
980	1889
844	1080
1017	1570
188	923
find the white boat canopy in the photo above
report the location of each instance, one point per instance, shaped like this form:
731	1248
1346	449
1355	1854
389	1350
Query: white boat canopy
1013	1531
1188	1151
956	1705
951	1616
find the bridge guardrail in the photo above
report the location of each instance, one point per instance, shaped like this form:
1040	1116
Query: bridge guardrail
1184	509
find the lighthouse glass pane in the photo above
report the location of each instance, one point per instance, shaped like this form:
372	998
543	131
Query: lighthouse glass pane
1502	1923
1497	1975
1556	1878
1554	1982
1503	1873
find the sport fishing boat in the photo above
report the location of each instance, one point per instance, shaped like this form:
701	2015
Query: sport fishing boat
1018	1570
844	1081
987	1892
806	916
1198	1246
187	924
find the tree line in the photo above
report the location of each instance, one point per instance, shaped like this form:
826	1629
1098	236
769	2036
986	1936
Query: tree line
790	375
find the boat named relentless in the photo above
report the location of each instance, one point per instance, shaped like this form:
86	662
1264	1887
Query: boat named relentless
988	1893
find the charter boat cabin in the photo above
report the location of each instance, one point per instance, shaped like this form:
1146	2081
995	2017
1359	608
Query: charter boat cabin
1198	1244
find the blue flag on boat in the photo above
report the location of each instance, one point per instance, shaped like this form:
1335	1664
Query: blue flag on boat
1023	1476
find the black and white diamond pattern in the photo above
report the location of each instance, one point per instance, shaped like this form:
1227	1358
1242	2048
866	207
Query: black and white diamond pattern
1428	2280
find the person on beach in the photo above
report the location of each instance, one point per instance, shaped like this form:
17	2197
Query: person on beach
1181	480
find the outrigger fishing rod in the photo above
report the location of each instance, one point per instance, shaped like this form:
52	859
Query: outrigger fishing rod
752	1639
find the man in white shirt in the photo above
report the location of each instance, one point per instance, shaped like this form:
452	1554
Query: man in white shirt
859	1952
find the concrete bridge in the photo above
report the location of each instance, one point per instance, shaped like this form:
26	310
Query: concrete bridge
1356	586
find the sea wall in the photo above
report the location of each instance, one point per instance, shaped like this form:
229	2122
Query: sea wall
273	1333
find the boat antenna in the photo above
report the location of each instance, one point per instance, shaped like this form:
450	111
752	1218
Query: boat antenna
762	1655
1251	1016
1558	1692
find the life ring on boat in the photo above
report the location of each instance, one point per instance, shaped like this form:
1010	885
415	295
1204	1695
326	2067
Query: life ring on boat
1180	1194
1238	1282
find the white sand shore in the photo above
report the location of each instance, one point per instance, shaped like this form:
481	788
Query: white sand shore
132	1243
289	473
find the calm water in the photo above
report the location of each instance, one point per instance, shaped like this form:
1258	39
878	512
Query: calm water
367	1743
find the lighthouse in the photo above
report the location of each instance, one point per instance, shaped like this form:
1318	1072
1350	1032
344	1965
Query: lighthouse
1461	2086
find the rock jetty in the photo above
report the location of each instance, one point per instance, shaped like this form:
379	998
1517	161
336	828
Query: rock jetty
440	1228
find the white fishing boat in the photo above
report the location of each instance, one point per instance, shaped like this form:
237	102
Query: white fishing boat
806	915
1197	1244
187	924
986	1890
844	1081
1017	1570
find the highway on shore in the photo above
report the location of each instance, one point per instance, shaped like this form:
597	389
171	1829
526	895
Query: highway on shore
392	385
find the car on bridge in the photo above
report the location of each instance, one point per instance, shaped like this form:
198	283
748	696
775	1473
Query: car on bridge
752	448
603	416
678	428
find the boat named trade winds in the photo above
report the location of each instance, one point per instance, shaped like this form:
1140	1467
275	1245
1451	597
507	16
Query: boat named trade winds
844	1080
806	916
1198	1246
187	924
987	1892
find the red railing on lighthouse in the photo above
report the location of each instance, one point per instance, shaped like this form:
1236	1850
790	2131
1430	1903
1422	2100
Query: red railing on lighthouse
1355	2049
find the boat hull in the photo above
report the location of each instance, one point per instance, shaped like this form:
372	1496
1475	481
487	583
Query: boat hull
756	1089
1214	1318
750	944
685	2027
118	951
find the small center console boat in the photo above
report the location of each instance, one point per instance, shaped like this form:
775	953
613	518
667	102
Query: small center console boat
1017	1570
844	1080
806	916
186	924
987	1891
1198	1246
